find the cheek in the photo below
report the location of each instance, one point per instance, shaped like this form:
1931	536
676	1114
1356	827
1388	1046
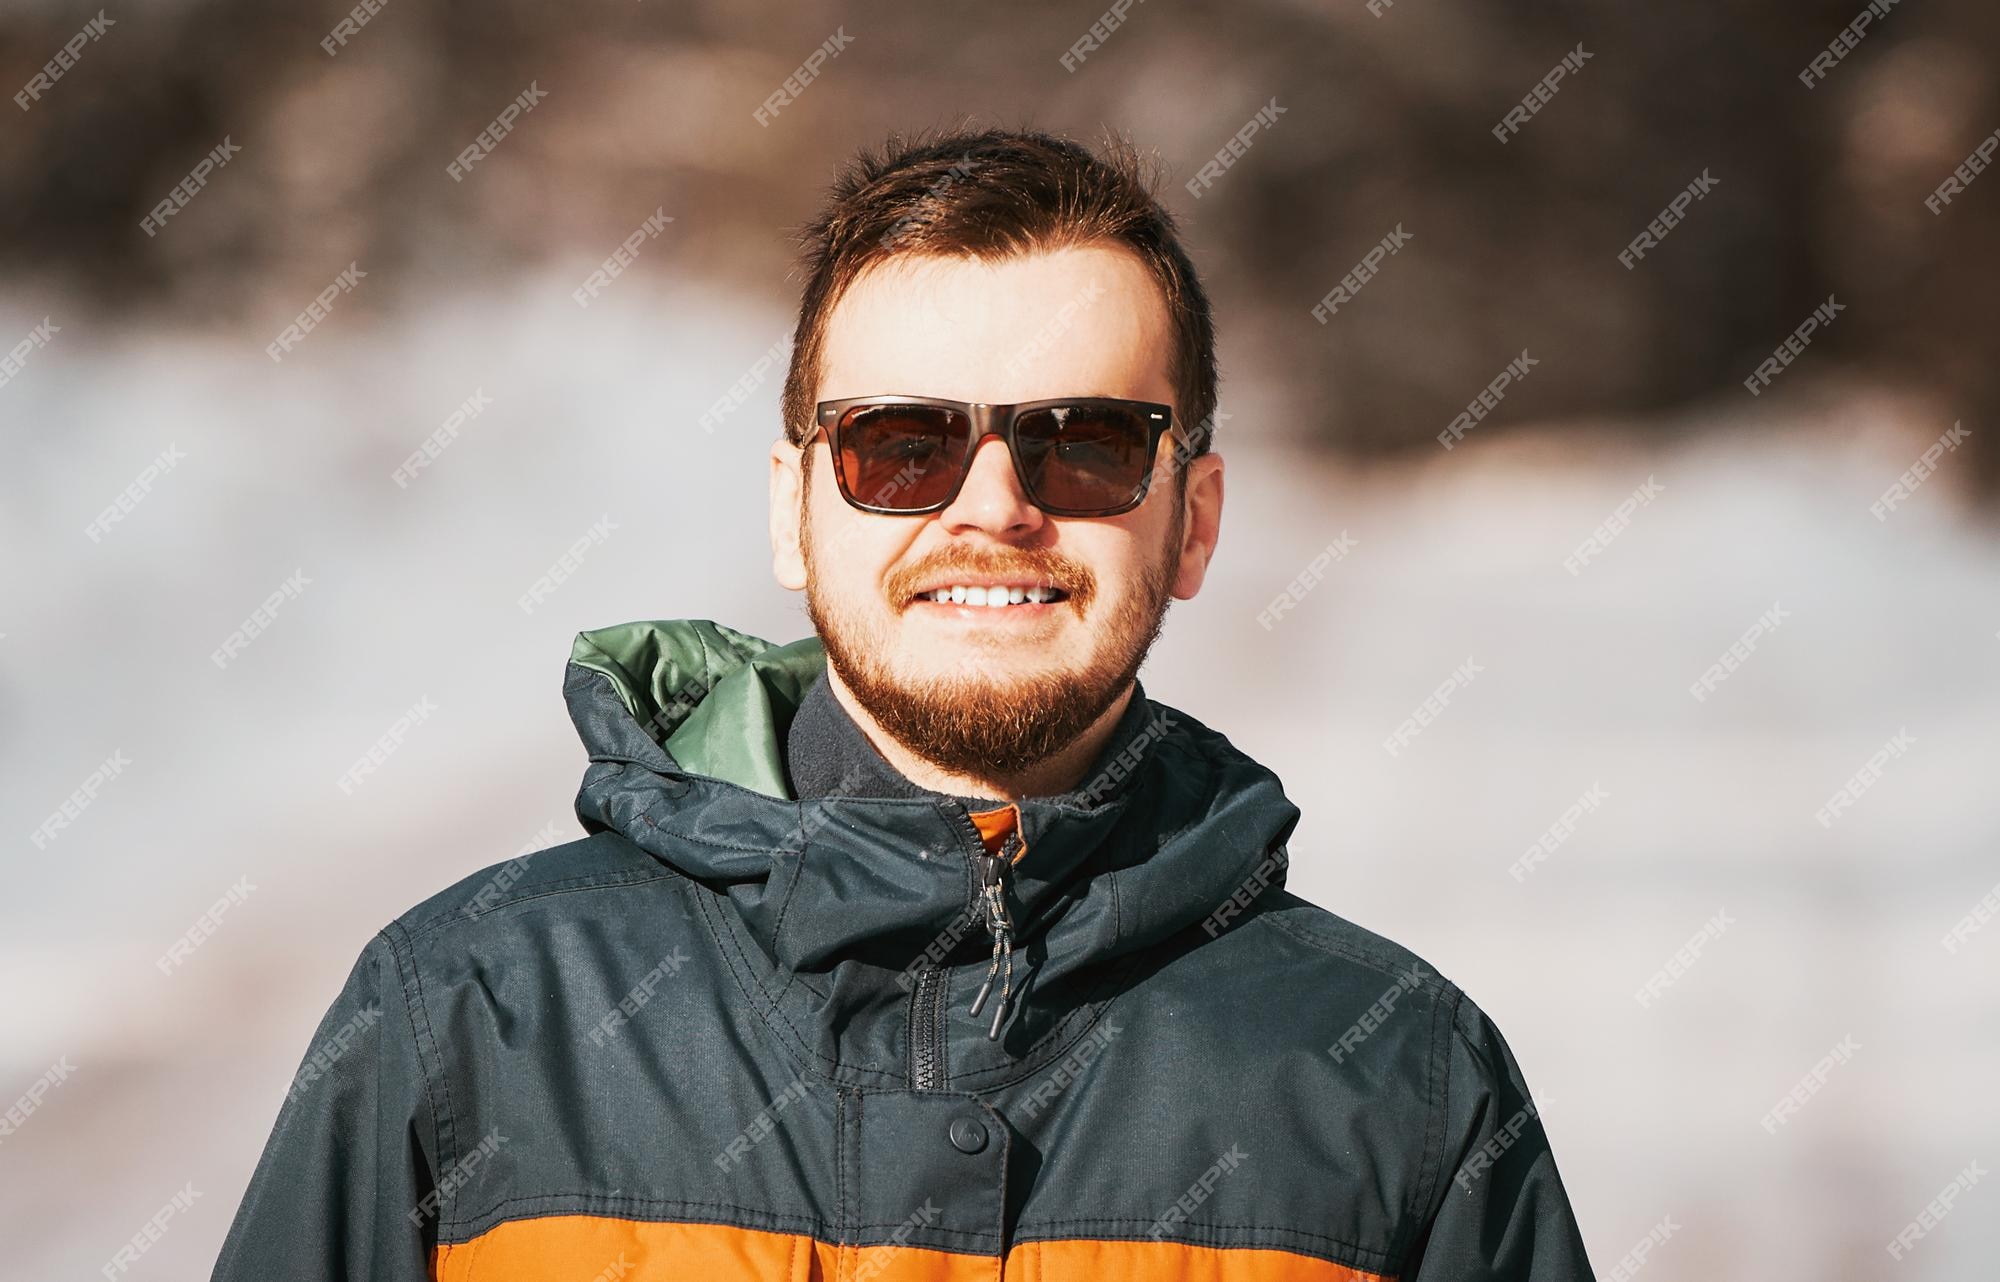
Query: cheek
850	553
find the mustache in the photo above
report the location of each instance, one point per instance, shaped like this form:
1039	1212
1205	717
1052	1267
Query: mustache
1044	566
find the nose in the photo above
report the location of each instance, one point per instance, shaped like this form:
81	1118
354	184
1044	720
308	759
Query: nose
992	499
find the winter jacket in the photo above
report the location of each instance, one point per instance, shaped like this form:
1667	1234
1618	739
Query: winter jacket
731	1034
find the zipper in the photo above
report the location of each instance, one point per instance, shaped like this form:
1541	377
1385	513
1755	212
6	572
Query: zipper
992	871
927	1031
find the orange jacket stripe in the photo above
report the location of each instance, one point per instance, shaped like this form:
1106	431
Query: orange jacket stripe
592	1248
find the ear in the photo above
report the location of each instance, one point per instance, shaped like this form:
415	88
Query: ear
788	562
1202	523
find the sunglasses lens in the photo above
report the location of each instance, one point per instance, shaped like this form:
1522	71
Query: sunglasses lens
1084	458
902	457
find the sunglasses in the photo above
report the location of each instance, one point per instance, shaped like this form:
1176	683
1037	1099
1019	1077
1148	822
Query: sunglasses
1074	456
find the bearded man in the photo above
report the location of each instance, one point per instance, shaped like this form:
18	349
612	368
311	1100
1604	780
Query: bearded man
930	946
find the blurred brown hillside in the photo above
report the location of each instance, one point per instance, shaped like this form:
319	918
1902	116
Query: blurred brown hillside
1387	122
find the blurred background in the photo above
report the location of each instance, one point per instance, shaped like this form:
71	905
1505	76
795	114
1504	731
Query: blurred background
1596	542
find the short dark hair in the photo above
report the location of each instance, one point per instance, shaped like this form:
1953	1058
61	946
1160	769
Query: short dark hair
992	194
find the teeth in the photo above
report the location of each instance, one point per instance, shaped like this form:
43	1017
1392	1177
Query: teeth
980	594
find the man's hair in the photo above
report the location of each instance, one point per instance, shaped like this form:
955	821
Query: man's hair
994	194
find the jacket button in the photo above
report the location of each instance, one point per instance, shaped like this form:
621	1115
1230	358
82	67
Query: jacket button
967	1134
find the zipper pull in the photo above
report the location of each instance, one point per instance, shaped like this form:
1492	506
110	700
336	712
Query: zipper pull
992	892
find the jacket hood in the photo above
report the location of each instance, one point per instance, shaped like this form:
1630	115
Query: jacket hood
833	898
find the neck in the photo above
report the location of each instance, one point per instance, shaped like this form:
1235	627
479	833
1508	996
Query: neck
1051	776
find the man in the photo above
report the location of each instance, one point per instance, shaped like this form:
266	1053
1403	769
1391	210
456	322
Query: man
929	947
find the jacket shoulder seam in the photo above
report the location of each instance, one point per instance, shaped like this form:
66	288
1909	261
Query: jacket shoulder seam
567	886
408	977
1432	983
1438	1088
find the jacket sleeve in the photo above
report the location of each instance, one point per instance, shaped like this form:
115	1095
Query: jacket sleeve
341	1189
1501	1214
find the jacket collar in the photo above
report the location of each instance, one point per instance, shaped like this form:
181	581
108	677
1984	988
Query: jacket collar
828	754
686	724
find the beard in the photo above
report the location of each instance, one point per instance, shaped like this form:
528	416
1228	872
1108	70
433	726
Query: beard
975	721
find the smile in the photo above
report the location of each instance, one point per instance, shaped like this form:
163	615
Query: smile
993	594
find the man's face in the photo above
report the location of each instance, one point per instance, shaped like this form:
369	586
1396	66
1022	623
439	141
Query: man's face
983	688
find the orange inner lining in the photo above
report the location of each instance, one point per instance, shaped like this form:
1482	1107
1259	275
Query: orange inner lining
995	824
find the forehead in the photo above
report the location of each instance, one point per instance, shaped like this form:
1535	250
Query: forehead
1081	321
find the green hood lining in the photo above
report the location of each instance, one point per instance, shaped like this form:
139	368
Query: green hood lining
718	700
